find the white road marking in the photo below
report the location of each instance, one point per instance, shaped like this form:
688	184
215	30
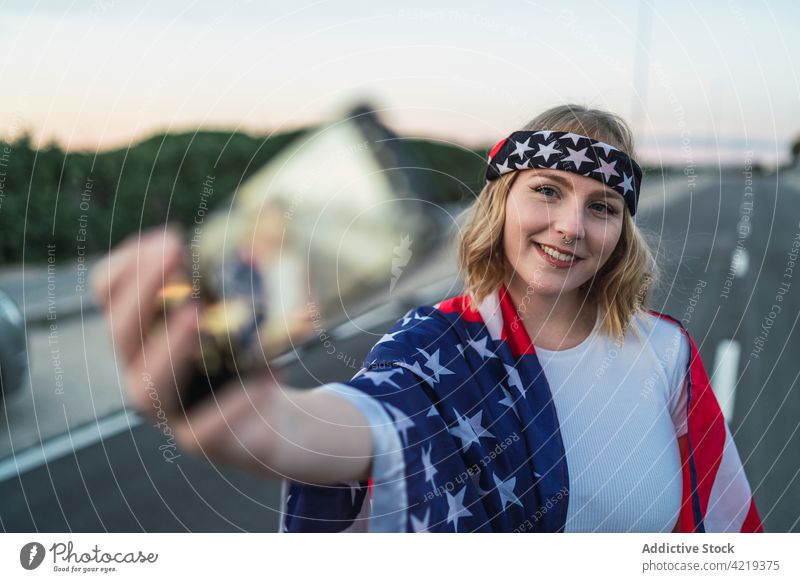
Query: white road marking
740	261
725	375
66	443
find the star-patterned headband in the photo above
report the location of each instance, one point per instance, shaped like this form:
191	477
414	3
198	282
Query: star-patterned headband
559	150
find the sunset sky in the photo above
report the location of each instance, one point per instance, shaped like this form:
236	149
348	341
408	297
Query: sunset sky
103	73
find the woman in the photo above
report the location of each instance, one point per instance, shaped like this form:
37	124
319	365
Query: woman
543	399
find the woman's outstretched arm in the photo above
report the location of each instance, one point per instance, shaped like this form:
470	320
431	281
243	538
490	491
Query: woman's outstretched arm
303	435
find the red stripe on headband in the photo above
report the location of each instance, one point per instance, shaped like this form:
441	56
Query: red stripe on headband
496	148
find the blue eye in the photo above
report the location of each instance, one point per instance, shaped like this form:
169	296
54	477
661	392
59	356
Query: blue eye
550	192
605	208
545	189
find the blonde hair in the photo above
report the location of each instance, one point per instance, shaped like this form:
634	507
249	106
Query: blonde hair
620	287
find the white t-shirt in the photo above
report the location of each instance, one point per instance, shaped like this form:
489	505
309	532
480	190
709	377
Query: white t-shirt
621	409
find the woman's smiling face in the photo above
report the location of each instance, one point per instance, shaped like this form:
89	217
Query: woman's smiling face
543	208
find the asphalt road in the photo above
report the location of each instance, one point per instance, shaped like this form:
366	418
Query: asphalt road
726	263
119	478
126	484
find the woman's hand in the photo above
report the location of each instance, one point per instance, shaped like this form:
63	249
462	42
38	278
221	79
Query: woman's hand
155	348
254	424
157	351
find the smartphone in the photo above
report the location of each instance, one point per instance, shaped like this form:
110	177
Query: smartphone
244	281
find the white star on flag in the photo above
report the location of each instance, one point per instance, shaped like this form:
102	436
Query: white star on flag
432	412
526	165
417	369
608	169
455	507
420	525
383	377
389	337
514	380
407	318
475	423
476	481
480	347
401	421
430	470
464	431
508	401
547	150
521	148
577	157
432	364
506	491
546	134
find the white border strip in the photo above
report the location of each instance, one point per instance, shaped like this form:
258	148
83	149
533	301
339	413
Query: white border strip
389	501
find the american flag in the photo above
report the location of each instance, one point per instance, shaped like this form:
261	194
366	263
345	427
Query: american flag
466	436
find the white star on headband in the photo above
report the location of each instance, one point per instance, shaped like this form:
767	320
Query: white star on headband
503	168
521	148
577	157
627	182
546	150
559	151
607	169
606	147
574	137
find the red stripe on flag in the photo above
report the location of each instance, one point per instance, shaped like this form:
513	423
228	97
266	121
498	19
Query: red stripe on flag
706	428
461	306
686	517
752	523
514	331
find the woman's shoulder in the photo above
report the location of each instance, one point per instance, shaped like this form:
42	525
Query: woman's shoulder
660	322
438	316
422	327
665	334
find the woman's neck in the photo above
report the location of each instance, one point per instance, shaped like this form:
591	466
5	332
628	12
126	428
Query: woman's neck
553	322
